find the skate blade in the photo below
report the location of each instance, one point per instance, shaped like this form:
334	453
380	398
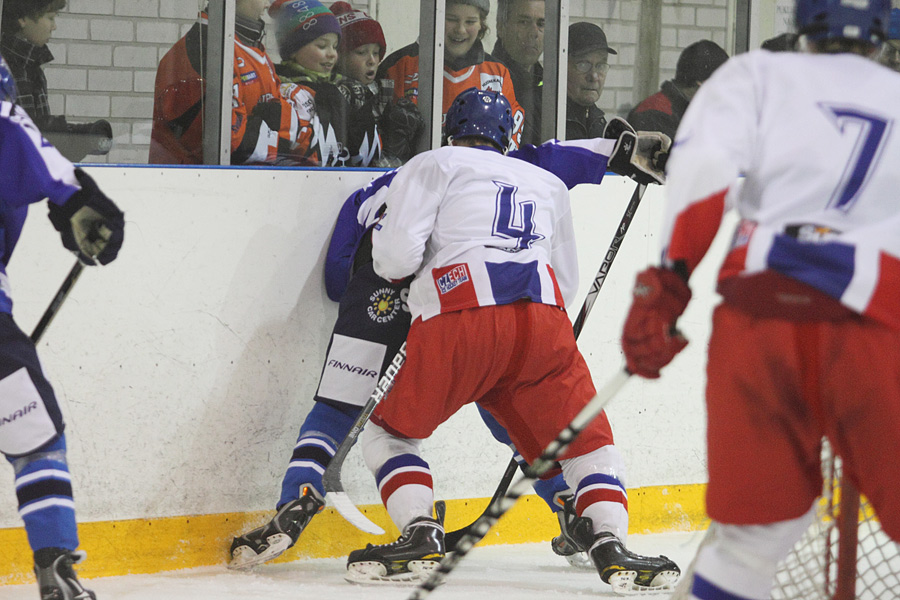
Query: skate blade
623	584
244	557
375	573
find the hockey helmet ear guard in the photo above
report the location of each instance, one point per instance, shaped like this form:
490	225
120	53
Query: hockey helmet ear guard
7	83
866	21
480	113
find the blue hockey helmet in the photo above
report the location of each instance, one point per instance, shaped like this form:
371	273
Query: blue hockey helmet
864	20
480	113
7	83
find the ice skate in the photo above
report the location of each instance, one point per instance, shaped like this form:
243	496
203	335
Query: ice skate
272	539
410	559
565	543
629	573
57	580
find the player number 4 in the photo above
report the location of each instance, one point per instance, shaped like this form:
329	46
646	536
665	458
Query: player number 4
514	218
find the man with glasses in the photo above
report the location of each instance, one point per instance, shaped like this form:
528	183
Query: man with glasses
588	66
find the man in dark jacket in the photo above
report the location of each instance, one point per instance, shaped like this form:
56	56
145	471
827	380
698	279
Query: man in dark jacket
588	66
663	110
520	43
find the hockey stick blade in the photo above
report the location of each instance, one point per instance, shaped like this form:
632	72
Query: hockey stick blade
348	510
331	478
453	537
540	466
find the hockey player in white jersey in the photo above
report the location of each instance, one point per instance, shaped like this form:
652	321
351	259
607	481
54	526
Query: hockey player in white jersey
32	434
490	241
806	343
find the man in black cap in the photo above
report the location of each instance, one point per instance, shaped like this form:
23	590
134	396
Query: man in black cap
588	66
663	110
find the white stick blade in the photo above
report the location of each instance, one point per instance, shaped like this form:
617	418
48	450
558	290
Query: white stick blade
348	510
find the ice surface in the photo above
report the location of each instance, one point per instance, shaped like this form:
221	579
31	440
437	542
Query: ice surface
522	572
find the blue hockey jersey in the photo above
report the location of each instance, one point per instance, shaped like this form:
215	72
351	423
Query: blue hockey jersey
30	171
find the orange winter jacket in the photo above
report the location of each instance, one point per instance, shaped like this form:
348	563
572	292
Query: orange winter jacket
476	69
264	127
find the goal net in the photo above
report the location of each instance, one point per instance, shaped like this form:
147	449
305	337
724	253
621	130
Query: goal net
844	554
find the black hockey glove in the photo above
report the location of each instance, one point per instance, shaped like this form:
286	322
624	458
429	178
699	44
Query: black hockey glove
90	224
640	155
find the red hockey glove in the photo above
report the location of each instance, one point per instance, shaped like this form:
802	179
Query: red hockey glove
650	340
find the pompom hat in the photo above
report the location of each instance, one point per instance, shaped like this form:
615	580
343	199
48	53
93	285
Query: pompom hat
299	22
358	28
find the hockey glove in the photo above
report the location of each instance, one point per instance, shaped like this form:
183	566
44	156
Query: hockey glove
650	340
640	155
90	224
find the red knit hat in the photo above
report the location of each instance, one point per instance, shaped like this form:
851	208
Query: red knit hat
357	28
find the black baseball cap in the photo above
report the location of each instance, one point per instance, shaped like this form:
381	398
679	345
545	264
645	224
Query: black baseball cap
584	37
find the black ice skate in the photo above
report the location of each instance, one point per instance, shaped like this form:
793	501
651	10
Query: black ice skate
566	544
272	539
411	558
55	576
629	573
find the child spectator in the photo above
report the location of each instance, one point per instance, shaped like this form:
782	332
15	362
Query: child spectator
26	28
360	51
338	134
466	64
264	127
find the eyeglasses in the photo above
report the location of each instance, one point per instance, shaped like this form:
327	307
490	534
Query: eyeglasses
585	66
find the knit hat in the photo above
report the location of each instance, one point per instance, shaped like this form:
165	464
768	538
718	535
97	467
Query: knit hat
484	5
299	22
358	28
698	61
585	37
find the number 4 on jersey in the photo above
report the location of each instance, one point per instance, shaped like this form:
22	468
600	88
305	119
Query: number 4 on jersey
514	218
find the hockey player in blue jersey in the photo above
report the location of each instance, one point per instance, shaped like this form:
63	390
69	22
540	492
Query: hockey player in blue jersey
32	428
373	321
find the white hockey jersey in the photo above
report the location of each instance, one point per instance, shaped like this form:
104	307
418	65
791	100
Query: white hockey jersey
477	228
816	139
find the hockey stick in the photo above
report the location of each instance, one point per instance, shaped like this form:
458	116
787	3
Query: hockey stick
544	462
331	479
64	289
453	537
624	224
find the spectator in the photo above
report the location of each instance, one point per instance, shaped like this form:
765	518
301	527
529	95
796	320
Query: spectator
663	110
588	66
466	64
27	26
890	50
264	126
786	42
308	35
520	43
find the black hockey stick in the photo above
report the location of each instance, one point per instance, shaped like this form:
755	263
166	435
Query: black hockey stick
544	462
624	224
64	289
331	479
453	537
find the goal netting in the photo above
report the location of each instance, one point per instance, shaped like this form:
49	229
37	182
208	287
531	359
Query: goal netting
844	554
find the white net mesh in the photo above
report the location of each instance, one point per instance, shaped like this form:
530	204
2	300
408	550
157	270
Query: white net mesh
811	570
